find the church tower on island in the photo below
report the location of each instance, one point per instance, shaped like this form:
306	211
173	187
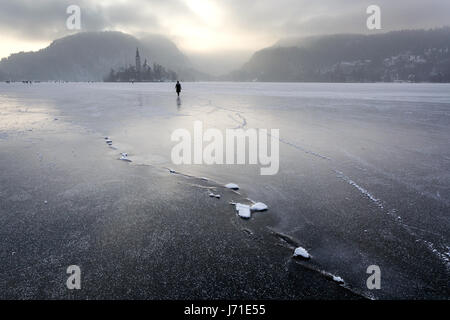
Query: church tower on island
138	64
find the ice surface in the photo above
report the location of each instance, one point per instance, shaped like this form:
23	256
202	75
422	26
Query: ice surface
349	154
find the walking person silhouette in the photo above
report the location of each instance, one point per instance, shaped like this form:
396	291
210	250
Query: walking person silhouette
178	88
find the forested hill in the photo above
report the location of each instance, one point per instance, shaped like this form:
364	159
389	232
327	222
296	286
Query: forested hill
90	56
410	55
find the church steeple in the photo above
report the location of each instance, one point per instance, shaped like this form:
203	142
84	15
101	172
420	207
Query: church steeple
138	62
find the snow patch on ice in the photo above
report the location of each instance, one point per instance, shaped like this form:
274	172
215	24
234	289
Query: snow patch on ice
232	186
338	279
124	157
259	206
212	195
301	252
333	277
243	210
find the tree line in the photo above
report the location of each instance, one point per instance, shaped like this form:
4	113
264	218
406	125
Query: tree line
156	73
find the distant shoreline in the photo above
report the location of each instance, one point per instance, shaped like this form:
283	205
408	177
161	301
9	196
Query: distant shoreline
219	81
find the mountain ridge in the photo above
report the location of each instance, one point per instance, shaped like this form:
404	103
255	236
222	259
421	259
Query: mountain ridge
89	56
394	56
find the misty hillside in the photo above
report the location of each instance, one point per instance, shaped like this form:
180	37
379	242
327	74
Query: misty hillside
411	55
164	52
89	56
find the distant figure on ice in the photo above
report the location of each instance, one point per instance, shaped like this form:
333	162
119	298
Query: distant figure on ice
178	88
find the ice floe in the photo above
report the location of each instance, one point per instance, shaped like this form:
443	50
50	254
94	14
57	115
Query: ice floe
212	195
243	210
259	206
338	279
301	252
332	277
109	142
124	157
232	186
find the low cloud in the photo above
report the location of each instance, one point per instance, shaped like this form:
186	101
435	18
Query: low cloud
204	25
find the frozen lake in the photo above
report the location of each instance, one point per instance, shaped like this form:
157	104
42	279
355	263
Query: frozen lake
364	180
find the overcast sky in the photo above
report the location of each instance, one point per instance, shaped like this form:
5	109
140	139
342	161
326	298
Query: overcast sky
199	26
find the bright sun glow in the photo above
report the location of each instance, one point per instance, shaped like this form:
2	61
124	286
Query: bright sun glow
206	10
207	31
